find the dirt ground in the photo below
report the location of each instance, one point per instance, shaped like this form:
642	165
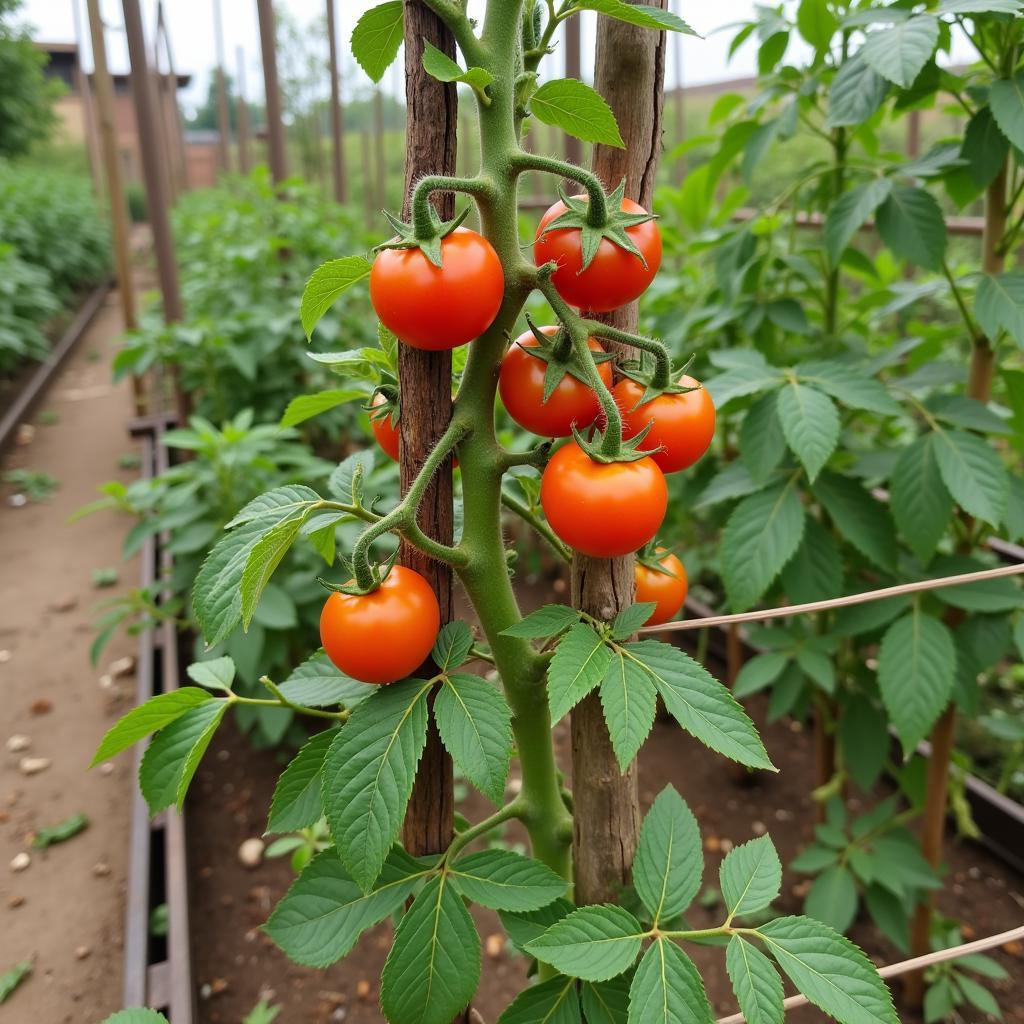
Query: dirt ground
65	910
238	965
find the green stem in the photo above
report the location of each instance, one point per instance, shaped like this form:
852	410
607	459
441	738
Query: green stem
422	211
281	701
662	360
463	839
972	327
597	208
538	524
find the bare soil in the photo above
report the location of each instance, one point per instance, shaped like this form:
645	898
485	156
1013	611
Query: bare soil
65	911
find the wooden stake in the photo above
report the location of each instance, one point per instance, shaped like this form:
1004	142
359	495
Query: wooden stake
92	146
242	113
178	117
275	122
337	111
629	74
223	115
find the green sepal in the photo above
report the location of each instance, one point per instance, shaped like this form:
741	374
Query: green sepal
649	558
641	372
380	573
430	246
391	408
629	450
577	215
561	358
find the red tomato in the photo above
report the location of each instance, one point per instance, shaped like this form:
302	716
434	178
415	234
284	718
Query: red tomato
521	385
442	307
614	277
683	425
668	592
602	509
384	430
383	636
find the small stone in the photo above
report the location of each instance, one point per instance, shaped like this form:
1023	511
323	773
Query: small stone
122	667
1014	948
362	989
795	726
20	861
219	985
16	901
101	869
250	853
712	844
26	433
725	845
17	501
494	944
205	991
82	952
66	603
107	768
558	586
223	755
5	656
759	828
783	815
41	706
33	765
17	743
106	681
515	785
801	889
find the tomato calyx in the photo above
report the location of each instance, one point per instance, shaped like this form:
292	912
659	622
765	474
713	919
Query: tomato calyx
425	234
560	357
653	380
652	555
629	450
391	408
579	214
378	573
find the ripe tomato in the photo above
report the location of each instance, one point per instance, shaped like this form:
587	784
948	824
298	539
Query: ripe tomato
521	385
384	430
602	509
382	636
614	277
683	425
668	592
442	307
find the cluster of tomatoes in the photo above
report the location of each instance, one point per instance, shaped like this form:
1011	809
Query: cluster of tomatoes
600	508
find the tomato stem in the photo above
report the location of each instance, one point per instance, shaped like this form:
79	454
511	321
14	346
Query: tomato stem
597	206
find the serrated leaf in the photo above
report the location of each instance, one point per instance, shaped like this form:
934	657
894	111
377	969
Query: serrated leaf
577	109
544	622
214	673
860	518
433	967
369	772
912	225
522	929
643	15
985	148
276	505
916	666
503	880
920	502
987	596
172	758
629	701
136	1016
980	7
305	407
760	671
317	683
961	411
832	898
669	858
440	66
667	988
750	876
551	1002
830	970
850	212
297	802
973	473
332	279
452	646
593	943
578	666
324	912
815	572
856	93
762	443
760	537
12	978
755	981
816	23
61	832
811	424
740	381
157	713
343	477
1006	101
630	619
699	703
475	724
850	385
999	305
264	558
900	52
606	1002
376	39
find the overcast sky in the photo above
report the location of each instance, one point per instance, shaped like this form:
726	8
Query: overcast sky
191	29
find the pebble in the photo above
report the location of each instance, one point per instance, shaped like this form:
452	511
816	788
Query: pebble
101	869
17	501
122	667
106	681
362	988
26	432
759	828
82	952
66	603
107	768
18	743
5	656
33	765
250	853
494	945
42	706
16	901
20	861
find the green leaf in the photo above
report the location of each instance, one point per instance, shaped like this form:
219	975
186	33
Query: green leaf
750	876
985	148
544	622
830	970
699	703
578	666
264	558
606	1002
376	38
991	595
369	772
999	305
643	15
172	758
324	912
669	858
966	412
452	646
317	683
276	505
974	474
332	279
214	674
912	225
297	802
850	212
503	880
761	536
305	407
135	1016
1006	101
916	666
980	7
920	502
522	929
864	739
440	66
475	724
667	988
433	967
739	381
578	110
629	701
861	519
630	619
815	572
900	52
11	979
816	23
755	981
551	1002
760	671
856	93
810	423
593	943
61	832
343	479
146	719
832	898
762	443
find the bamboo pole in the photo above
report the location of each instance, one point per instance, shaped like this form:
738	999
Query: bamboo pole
242	108
337	111
275	122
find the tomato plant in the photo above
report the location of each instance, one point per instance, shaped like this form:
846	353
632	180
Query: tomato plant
384	423
661	579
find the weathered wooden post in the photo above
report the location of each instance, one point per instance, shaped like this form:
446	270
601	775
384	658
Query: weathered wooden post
275	122
223	114
337	111
242	115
